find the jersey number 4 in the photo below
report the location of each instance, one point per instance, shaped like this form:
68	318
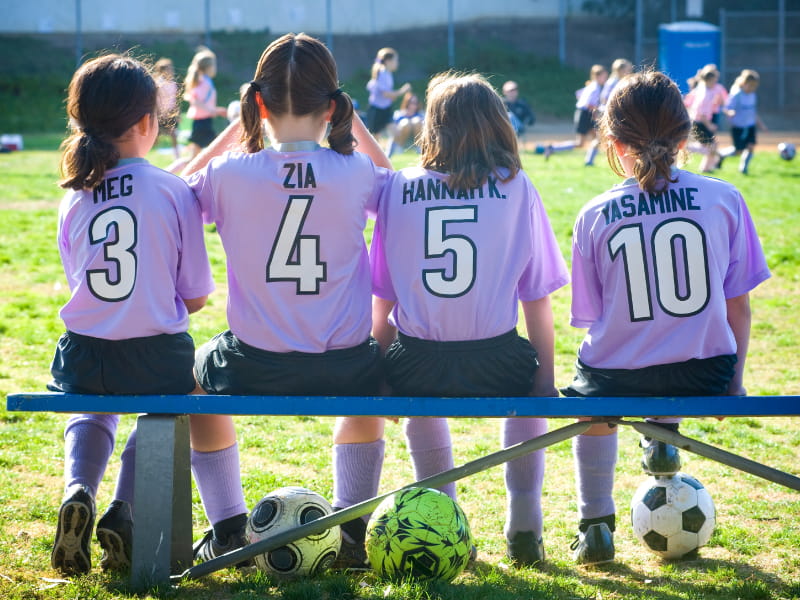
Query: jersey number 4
681	278
296	257
114	284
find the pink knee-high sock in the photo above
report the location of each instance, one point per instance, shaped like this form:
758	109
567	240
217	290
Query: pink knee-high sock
356	472
524	477
431	448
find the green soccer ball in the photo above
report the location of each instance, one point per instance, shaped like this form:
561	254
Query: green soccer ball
420	533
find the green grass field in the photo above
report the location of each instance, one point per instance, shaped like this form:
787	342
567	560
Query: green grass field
753	553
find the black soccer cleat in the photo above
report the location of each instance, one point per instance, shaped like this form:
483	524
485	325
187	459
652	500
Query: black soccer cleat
115	534
525	549
71	554
209	547
659	459
594	546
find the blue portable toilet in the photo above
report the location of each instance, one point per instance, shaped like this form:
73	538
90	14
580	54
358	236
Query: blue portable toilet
686	46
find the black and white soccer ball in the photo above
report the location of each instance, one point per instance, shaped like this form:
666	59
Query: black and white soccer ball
673	516
786	150
288	508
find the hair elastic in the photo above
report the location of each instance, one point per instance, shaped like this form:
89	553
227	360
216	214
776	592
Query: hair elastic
255	87
335	94
262	109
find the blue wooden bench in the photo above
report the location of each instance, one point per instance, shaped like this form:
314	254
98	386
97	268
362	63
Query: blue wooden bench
162	544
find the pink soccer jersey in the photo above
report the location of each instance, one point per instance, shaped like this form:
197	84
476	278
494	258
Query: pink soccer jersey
457	261
132	249
651	272
292	225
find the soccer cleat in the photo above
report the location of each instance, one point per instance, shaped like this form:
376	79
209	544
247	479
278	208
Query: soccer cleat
209	547
659	459
71	554
593	546
352	556
525	549
115	534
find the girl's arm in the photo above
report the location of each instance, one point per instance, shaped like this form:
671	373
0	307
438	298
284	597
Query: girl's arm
366	144
227	140
739	319
541	333
383	331
195	304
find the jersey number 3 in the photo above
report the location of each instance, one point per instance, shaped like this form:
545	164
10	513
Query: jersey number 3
113	285
296	257
681	278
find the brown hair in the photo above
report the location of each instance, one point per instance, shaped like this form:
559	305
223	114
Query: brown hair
202	61
381	57
747	76
466	132
106	97
297	75
646	113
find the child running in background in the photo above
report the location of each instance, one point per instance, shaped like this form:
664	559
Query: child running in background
131	241
701	102
381	90
662	267
201	95
742	113
619	69
168	108
586	110
291	219
458	243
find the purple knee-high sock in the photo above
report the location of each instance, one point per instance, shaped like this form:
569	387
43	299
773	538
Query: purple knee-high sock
430	448
523	477
356	472
219	483
595	460
127	471
88	444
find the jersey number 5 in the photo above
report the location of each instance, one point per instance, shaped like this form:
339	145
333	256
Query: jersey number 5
681	278
296	257
113	285
460	247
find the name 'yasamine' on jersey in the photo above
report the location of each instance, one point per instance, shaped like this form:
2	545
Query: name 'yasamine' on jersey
669	201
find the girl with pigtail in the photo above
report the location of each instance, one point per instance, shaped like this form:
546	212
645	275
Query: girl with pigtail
291	217
131	242
662	267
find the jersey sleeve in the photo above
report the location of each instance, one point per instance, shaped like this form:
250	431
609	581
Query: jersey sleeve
748	266
381	180
587	301
200	183
381	281
546	271
194	272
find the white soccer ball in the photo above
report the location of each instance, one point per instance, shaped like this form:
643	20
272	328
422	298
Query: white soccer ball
673	516
786	150
234	110
288	508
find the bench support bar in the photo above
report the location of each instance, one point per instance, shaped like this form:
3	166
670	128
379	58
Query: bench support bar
162	537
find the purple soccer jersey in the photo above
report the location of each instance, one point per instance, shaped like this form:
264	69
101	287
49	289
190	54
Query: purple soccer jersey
651	272
132	250
292	225
456	262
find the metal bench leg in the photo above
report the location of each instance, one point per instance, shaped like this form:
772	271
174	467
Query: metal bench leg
162	532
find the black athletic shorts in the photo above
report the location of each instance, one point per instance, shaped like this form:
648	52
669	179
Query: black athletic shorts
202	132
500	366
743	137
695	377
584	122
158	364
378	118
702	133
226	365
